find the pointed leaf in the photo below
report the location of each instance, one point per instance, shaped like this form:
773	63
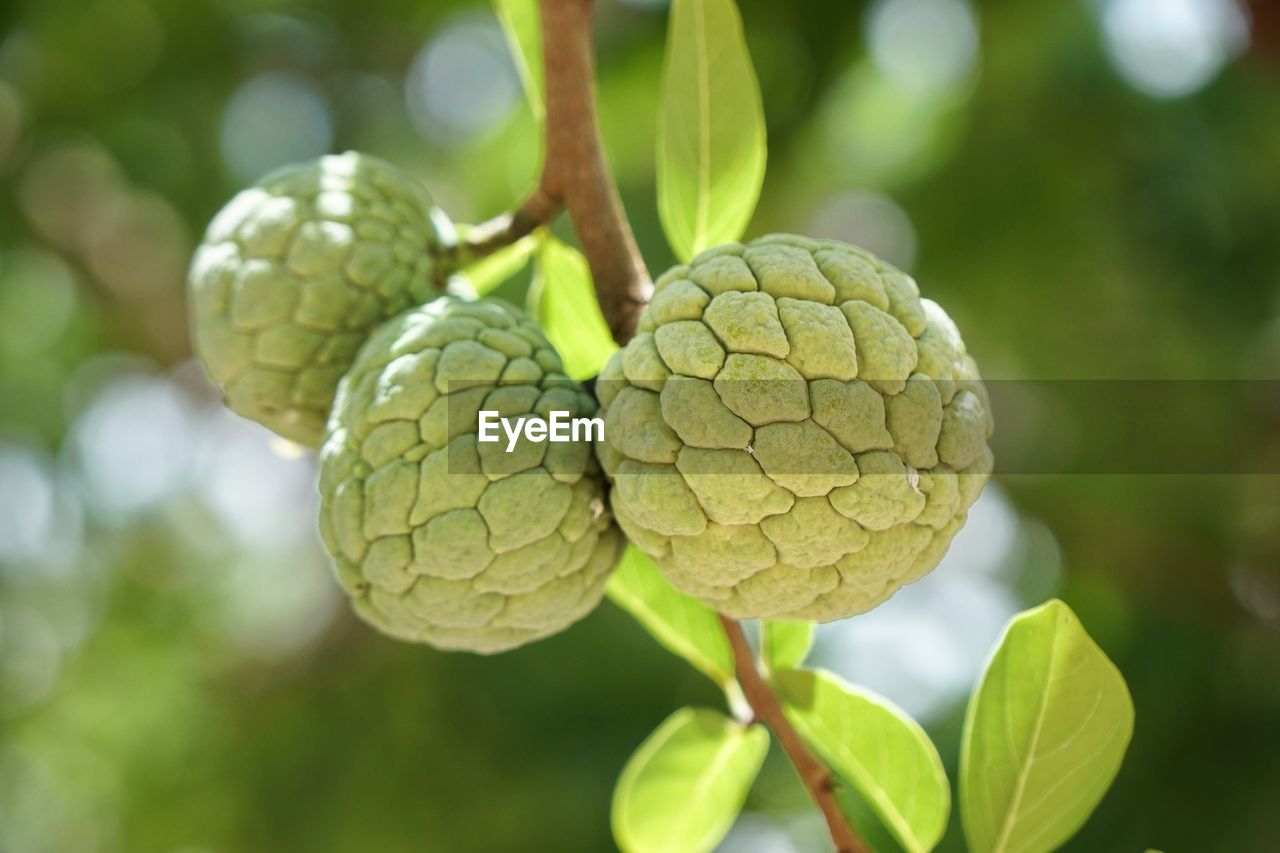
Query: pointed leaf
684	786
563	299
682	624
785	644
711	132
1044	736
879	750
523	29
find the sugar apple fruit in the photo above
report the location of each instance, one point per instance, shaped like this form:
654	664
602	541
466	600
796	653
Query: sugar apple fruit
437	536
296	271
793	433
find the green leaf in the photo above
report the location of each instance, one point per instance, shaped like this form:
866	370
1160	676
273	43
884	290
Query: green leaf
683	787
865	821
488	273
524	37
1044	736
711	132
879	750
563	299
785	644
680	623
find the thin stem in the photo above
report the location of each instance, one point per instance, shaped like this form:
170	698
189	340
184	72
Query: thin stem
536	210
576	172
813	773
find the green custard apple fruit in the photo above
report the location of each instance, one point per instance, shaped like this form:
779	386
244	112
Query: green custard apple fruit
296	271
440	537
793	433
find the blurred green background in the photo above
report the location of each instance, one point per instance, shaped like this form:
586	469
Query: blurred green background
1090	187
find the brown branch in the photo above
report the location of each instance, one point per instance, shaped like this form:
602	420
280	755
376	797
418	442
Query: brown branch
813	773
575	176
576	172
536	210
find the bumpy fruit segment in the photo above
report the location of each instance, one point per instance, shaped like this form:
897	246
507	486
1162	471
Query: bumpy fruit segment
437	536
295	272
794	433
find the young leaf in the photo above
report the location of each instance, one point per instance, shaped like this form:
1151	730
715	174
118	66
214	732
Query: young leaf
523	29
785	644
1044	735
876	748
681	624
683	787
563	300
711	133
486	274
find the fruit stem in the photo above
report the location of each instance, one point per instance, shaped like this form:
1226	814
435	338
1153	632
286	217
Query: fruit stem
813	773
538	209
575	170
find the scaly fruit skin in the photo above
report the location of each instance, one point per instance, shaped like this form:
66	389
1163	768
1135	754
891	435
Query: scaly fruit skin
440	538
793	433
296	271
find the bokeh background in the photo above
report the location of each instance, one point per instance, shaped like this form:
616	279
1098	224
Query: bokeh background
1091	188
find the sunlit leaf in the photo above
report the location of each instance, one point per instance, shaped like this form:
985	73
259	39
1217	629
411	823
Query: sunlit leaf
785	644
711	131
524	37
563	299
682	624
684	786
879	750
1044	736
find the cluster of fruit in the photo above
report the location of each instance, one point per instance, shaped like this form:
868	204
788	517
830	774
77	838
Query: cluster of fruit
793	433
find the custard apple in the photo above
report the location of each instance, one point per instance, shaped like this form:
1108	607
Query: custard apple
442	538
296	271
793	433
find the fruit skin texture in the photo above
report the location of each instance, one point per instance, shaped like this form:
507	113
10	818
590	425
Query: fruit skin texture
437	537
793	433
296	271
